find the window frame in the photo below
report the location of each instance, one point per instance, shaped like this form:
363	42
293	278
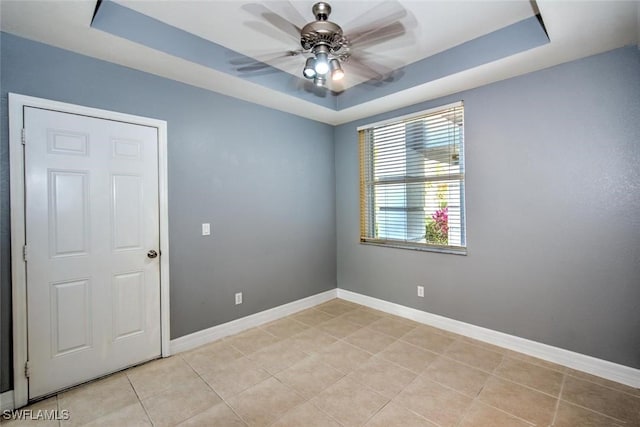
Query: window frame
367	198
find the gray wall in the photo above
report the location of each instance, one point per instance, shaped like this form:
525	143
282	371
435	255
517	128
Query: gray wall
264	180
553	196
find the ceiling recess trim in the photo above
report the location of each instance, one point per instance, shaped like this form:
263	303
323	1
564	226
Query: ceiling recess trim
126	23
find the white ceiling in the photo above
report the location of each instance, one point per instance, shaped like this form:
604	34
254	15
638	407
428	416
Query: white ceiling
576	29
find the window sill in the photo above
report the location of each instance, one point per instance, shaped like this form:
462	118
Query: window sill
423	248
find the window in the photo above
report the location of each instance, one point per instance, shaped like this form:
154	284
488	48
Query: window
412	181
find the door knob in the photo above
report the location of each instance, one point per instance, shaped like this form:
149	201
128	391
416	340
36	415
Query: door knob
152	254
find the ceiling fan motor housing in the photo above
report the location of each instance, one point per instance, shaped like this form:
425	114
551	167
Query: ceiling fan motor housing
321	11
322	31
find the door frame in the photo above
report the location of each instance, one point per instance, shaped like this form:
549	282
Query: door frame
17	104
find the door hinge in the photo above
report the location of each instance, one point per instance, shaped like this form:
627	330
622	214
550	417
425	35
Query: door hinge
24	136
27	372
24	253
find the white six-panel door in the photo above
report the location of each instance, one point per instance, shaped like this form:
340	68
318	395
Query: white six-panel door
92	218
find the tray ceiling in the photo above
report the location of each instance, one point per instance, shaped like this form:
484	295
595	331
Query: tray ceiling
449	46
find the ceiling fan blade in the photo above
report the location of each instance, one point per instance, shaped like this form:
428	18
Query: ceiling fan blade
379	35
269	57
263	64
269	31
379	16
274	19
360	64
258	66
361	69
293	14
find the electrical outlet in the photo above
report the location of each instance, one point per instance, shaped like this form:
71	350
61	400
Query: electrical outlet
239	298
421	291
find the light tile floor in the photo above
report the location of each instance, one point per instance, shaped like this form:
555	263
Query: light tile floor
341	364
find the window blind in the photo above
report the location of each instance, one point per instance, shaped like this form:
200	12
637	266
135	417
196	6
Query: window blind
412	181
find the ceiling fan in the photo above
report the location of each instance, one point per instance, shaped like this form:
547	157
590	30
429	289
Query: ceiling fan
326	46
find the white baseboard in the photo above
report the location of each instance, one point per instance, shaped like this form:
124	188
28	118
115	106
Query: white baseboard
206	336
6	401
602	368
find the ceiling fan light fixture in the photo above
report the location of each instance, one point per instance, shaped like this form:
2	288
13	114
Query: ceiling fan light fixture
321	52
322	63
337	73
309	71
324	46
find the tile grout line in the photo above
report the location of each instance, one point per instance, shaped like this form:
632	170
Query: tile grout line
555	412
521	385
436	382
637	396
531	423
466	364
377	412
432	380
321	391
222	399
331	417
363	385
344	375
309	400
144	408
377	355
421	416
493	374
617	420
525	386
475	398
245	422
377	392
305	399
532	360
